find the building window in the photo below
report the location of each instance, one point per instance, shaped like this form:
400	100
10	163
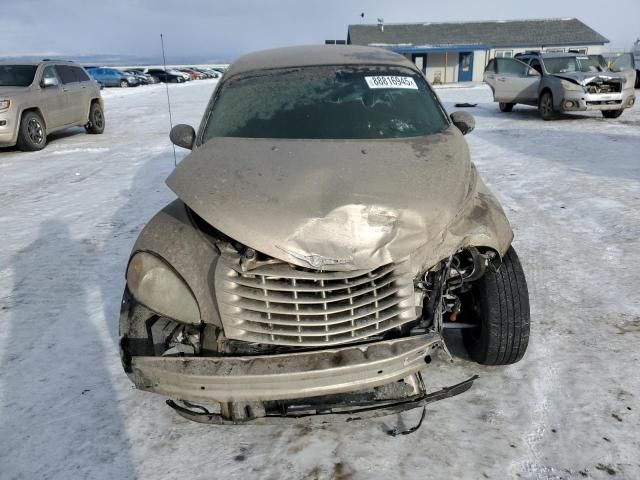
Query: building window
554	50
579	51
504	53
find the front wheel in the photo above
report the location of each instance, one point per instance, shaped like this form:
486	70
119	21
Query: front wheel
506	107
500	302
545	106
124	84
96	119
32	135
612	113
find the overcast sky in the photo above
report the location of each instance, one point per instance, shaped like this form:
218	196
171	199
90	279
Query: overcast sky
224	29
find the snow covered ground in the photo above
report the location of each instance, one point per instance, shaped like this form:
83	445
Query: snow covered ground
69	216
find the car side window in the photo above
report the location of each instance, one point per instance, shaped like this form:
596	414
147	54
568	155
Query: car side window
511	66
536	65
80	74
66	74
491	66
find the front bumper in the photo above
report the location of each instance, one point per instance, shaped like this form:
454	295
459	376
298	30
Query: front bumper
286	376
580	101
8	127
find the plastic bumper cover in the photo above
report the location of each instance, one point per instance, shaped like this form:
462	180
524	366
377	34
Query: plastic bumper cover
579	101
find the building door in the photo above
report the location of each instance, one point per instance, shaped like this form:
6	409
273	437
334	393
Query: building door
421	61
465	67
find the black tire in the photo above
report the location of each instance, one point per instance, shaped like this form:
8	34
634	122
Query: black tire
612	113
96	119
545	106
501	309
32	135
506	107
124	84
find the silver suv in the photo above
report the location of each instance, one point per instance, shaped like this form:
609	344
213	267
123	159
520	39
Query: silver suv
559	83
38	98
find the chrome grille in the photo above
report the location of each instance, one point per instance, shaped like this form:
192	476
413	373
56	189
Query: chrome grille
282	305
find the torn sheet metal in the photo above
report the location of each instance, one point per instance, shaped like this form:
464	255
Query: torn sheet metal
344	204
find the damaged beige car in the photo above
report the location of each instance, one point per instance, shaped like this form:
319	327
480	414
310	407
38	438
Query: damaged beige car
329	228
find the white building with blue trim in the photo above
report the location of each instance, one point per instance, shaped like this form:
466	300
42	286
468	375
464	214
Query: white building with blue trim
459	51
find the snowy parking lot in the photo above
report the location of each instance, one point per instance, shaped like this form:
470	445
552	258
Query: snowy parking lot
69	216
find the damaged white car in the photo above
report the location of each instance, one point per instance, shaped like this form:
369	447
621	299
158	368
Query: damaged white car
329	227
560	82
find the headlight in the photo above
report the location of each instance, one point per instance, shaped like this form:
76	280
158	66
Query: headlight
157	286
131	79
4	104
567	85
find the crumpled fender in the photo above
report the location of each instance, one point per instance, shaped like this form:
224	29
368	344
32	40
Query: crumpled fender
173	235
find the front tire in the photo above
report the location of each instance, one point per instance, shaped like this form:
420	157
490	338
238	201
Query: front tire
32	135
506	107
96	119
501	306
545	106
612	113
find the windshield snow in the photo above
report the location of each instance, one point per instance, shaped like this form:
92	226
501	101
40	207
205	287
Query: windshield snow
326	103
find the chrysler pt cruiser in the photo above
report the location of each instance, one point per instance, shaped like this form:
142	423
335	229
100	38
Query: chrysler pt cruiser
329	226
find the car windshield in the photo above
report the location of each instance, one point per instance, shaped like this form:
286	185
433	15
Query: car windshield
579	63
17	75
326	103
623	62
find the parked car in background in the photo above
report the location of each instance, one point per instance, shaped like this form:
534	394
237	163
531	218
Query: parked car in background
39	98
206	73
143	71
193	74
289	299
112	77
559	83
624	62
185	75
142	78
166	76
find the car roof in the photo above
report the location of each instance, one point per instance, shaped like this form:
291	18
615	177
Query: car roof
316	55
544	55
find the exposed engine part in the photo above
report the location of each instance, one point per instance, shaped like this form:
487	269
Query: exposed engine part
171	338
601	86
326	414
447	282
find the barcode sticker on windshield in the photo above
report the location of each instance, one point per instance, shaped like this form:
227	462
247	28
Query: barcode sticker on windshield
389	81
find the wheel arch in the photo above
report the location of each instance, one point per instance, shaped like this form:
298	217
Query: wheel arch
194	260
35	109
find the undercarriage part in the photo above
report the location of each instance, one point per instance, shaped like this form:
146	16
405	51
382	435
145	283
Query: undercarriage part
174	338
328	414
394	432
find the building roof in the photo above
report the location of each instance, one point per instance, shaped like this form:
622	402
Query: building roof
315	55
508	33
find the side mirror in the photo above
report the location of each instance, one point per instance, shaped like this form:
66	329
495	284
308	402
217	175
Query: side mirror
49	82
464	121
183	136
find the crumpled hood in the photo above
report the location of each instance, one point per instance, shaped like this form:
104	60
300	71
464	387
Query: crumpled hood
583	78
339	204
